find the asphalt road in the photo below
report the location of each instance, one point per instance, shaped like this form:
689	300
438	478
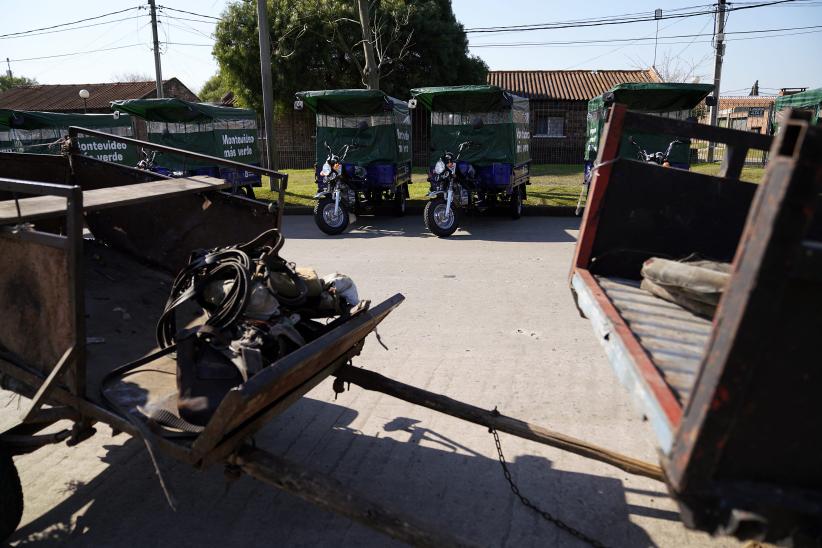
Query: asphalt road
488	319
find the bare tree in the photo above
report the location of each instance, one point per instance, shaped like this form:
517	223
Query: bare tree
132	77
676	68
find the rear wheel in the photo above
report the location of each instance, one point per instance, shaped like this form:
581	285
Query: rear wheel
327	220
516	203
11	497
439	220
399	201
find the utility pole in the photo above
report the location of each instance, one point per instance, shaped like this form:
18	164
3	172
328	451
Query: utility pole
8	73
268	90
158	71
719	38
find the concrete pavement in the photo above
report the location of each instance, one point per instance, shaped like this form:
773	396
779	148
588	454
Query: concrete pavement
489	320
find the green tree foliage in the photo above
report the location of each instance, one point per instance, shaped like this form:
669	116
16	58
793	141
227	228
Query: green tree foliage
215	88
315	46
7	82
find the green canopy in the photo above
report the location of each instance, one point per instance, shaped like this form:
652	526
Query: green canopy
179	111
665	99
225	132
463	98
378	123
36	132
810	100
349	101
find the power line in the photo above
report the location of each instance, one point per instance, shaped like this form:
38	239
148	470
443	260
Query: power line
74	53
189	12
72	28
613	40
613	21
71	23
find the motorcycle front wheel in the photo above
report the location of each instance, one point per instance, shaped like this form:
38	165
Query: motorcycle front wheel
325	218
439	220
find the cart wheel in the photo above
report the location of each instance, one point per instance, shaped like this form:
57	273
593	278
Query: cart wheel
11	497
516	203
399	201
328	222
439	221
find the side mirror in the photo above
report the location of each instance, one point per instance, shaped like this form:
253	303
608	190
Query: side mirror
710	100
116	115
299	105
608	97
477	123
412	103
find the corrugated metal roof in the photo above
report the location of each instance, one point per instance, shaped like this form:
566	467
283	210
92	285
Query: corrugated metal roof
569	85
66	98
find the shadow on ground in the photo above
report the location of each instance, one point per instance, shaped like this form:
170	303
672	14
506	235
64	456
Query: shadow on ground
487	227
415	470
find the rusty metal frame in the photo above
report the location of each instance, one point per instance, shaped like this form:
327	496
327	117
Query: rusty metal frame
278	182
73	361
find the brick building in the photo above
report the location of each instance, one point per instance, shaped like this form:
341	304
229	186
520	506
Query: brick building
66	97
749	113
559	105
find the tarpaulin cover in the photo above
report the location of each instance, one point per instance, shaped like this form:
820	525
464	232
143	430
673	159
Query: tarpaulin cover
36	132
810	100
225	132
378	123
504	136
463	98
349	101
667	99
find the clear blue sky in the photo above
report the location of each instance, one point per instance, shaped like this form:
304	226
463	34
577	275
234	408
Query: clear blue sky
776	61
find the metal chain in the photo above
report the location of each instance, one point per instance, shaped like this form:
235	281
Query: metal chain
545	515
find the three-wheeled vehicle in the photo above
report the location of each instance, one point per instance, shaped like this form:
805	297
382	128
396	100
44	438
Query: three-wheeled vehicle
733	396
363	153
809	101
480	152
37	132
668	100
224	132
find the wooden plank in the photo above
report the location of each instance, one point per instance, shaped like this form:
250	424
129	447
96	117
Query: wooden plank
493	419
679	128
102	198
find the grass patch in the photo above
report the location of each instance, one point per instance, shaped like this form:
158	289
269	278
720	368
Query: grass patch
551	184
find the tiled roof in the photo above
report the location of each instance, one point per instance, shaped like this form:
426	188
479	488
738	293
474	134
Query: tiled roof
573	85
66	98
747	101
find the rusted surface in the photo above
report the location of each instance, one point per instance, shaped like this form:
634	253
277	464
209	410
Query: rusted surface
37	319
750	430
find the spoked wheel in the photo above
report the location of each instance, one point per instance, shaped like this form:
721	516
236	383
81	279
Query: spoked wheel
327	220
11	497
399	201
516	203
439	219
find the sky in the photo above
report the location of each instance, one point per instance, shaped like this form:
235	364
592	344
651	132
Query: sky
778	58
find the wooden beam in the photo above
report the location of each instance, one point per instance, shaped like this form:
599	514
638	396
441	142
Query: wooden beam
492	419
329	494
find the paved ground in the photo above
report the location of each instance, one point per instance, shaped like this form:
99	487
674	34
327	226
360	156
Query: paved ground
488	320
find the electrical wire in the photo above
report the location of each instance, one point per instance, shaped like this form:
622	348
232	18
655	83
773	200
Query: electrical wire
73	53
189	12
71	23
72	28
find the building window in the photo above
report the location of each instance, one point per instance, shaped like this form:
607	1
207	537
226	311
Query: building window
549	126
756	129
739	123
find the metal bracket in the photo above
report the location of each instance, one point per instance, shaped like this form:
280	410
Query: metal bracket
42	392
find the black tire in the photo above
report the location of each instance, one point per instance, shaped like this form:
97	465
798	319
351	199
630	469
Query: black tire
433	213
247	191
11	497
399	201
516	203
325	219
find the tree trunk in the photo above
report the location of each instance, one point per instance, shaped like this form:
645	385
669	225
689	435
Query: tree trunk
371	74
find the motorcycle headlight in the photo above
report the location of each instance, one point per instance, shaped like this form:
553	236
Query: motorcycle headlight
439	167
326	170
